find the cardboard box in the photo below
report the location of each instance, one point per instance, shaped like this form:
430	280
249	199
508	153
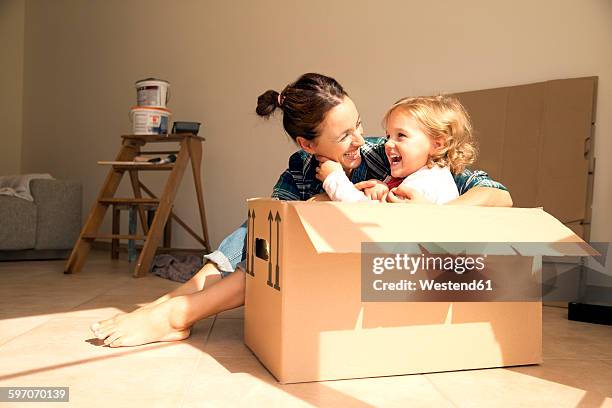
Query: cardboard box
537	139
304	318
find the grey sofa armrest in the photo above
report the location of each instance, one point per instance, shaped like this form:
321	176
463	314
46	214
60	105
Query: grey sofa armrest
59	212
17	223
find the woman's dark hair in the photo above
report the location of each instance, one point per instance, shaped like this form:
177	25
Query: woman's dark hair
304	103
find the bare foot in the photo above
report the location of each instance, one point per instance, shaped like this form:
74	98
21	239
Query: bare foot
95	327
206	277
142	326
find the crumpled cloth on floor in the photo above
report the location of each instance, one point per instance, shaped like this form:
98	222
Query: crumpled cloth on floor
179	268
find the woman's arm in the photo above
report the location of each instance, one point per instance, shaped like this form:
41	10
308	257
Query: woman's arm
484	196
477	188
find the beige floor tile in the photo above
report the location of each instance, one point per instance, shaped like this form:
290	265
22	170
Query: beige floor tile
116	382
11	328
590	375
67	342
237	390
237	313
227	339
574	340
397	391
246	364
511	388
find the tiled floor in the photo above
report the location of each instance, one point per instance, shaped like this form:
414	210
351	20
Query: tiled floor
45	341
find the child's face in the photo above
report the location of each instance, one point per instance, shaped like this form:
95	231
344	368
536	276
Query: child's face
408	147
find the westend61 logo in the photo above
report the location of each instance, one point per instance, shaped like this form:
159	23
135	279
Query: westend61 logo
436	272
411	264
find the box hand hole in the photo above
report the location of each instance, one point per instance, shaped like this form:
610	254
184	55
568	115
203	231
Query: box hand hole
262	249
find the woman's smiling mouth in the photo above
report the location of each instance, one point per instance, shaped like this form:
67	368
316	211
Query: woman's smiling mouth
354	155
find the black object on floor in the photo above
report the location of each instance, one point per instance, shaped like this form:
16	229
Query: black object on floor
588	313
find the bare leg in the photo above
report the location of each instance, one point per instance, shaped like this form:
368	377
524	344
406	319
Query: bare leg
172	319
206	277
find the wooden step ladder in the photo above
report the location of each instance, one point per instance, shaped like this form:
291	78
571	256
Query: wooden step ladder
190	150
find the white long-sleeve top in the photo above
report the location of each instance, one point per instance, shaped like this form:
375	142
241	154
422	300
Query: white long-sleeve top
436	184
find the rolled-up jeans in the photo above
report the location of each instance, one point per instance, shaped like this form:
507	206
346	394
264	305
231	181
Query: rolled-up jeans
231	252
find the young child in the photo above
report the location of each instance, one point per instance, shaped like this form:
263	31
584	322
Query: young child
428	140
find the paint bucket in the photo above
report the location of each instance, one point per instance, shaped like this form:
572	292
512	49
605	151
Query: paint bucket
149	120
152	92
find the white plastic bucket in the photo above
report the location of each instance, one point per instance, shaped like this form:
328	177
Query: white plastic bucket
152	92
149	121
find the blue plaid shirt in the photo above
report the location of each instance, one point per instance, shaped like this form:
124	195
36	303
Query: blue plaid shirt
298	182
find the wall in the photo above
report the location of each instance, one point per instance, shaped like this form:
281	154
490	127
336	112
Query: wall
12	22
82	59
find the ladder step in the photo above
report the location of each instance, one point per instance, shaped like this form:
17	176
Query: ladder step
114	236
126	200
159	152
131	165
140	166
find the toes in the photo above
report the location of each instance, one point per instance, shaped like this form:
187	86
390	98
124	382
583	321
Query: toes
94	327
105	332
112	320
117	343
107	323
112	338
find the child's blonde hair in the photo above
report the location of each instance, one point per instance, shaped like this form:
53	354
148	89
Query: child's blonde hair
443	117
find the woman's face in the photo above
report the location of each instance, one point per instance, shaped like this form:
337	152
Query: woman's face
340	136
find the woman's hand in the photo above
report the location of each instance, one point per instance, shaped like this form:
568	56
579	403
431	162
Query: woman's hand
320	197
326	167
405	194
485	196
373	189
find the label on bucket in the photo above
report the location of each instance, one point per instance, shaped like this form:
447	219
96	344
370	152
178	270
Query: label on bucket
149	123
149	96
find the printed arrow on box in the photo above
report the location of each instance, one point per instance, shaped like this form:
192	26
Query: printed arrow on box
270	218
277	220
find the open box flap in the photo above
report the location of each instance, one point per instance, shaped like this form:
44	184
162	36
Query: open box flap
342	227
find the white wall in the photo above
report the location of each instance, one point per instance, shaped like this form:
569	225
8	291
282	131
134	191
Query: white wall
12	17
82	59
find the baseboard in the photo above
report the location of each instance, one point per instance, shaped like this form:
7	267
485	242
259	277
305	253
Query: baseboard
106	246
34	254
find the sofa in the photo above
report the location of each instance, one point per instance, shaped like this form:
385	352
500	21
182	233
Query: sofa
46	228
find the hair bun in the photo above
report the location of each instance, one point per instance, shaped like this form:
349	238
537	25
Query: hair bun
267	103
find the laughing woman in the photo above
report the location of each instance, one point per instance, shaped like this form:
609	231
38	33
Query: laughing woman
324	122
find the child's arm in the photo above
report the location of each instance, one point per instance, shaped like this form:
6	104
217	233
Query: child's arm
336	184
339	188
435	184
485	196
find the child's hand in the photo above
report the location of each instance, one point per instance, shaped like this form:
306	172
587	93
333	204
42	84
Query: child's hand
405	194
326	167
375	191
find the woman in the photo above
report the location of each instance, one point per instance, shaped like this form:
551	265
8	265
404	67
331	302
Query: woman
324	122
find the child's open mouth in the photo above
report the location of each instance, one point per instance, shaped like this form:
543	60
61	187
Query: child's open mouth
395	159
